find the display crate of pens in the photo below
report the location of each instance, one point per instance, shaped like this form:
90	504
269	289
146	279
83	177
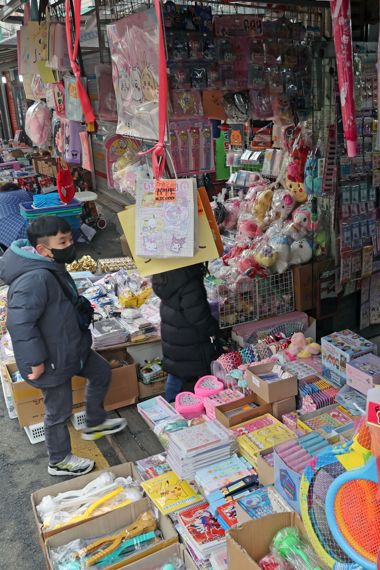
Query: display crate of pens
252	300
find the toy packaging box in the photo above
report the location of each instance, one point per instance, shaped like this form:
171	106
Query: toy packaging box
363	373
338	349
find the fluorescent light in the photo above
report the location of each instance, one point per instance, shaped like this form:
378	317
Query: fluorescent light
3	79
20	78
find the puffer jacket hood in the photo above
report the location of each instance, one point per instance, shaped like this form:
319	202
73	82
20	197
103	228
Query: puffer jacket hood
17	260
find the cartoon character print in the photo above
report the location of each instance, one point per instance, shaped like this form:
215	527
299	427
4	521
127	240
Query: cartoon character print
150	244
149	86
177	244
136	87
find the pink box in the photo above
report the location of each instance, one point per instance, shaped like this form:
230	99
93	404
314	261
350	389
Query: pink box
363	372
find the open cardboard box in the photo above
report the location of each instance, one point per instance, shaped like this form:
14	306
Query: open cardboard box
124	390
159	559
151	390
28	401
123	470
245	414
110	524
264	471
248	543
270	392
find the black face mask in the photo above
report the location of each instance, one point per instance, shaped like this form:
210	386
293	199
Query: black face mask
66	255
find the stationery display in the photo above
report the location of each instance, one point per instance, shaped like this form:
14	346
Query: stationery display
153	466
200	530
156	410
224	397
221	474
263	502
169	493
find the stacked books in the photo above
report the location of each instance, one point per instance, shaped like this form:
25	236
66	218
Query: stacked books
157	410
198	446
226	515
221	474
200	531
108	332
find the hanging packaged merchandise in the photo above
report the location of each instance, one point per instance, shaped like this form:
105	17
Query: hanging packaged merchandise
38	88
33	47
59	99
166	218
106	93
49	91
134	45
65	184
38	123
58	136
86	151
73	104
72	145
58	54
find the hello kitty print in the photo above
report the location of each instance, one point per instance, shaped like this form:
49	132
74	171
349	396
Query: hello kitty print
133	43
165	228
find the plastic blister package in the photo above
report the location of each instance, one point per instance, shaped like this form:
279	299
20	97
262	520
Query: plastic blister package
38	123
103	494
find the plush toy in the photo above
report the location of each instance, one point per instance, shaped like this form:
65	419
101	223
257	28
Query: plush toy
283	204
247	228
300	252
302	223
248	265
261	206
302	347
265	254
313	182
298	343
280	245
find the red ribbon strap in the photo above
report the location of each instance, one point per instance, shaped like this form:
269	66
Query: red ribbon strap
73	54
158	151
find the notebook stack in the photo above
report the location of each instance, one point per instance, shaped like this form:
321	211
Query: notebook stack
108	332
221	474
198	446
201	532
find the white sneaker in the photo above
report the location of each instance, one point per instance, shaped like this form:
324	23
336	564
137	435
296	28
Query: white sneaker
106	428
72	466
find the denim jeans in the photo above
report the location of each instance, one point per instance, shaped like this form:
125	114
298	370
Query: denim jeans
174	386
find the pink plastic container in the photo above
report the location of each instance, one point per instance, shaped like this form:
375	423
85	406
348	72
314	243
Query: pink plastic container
208	386
189	405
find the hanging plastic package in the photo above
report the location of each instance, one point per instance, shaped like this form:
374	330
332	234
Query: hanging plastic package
86	151
134	46
65	184
38	123
38	88
58	135
73	103
33	47
58	53
106	93
59	99
72	144
88	111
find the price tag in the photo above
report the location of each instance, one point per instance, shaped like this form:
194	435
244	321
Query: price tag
165	190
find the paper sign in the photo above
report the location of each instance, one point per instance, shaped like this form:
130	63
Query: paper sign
206	246
165	190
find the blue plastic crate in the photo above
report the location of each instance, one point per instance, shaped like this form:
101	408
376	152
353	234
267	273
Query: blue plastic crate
74	208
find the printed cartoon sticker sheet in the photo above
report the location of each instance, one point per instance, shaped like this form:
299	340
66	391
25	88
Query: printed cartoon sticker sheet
165	218
133	43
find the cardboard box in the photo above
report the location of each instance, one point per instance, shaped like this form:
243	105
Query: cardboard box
270	391
287	482
265	471
247	544
150	390
123	470
28	401
338	349
159	559
283	407
109	524
363	373
124	390
245	415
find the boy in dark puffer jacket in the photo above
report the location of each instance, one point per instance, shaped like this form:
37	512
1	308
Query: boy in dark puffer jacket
51	342
188	330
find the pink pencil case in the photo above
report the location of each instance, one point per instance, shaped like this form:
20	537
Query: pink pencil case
208	386
189	405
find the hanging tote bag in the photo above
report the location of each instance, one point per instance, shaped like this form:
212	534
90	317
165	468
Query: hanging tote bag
65	184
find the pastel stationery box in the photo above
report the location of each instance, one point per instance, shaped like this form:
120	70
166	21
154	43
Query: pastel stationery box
338	349
267	383
363	373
